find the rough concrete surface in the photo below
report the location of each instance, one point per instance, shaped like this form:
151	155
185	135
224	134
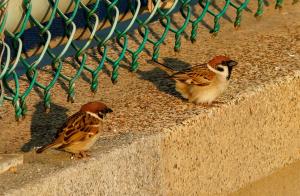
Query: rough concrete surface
10	161
158	144
281	183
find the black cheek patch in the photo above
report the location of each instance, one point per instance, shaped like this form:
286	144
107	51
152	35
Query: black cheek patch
108	110
229	73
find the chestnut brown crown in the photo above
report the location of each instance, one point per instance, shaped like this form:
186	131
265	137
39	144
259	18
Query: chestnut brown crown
96	107
222	60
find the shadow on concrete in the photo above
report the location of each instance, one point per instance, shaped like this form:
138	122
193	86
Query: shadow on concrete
267	3
44	125
160	78
219	9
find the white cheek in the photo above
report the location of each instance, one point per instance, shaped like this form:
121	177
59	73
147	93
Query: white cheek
225	72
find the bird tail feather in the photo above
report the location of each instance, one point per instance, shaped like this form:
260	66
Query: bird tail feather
52	145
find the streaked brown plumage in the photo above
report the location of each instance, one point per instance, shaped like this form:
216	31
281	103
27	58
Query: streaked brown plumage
202	83
81	130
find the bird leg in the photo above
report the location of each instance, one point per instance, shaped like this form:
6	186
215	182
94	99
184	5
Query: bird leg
207	105
84	154
76	156
80	155
218	102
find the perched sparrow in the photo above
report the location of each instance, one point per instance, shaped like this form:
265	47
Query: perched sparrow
202	83
81	130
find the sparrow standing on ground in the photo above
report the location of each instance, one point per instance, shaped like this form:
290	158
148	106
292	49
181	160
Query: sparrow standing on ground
81	130
202	83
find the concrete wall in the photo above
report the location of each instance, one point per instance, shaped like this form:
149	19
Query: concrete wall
208	154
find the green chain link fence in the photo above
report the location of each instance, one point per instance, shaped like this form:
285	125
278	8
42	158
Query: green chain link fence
9	64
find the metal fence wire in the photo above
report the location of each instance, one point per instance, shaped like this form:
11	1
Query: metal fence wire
93	11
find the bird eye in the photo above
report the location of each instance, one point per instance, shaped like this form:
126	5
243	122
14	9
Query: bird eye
220	69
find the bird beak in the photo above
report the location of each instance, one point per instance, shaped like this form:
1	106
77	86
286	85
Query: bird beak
231	63
108	110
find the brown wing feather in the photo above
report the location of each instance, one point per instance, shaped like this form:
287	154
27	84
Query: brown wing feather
197	75
79	126
70	123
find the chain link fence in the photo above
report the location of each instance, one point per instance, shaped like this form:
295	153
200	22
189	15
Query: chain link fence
90	14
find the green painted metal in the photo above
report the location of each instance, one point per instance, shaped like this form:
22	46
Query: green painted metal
121	38
259	10
239	10
279	4
195	23
10	80
165	20
185	10
144	31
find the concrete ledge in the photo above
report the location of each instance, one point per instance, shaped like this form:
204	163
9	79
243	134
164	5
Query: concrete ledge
8	161
233	146
209	154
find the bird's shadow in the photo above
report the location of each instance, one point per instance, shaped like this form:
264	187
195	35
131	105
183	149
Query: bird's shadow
160	78
44	125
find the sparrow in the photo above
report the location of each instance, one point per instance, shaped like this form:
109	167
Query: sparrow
202	84
81	130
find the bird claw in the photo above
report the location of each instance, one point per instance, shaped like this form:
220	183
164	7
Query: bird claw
207	105
85	154
80	155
